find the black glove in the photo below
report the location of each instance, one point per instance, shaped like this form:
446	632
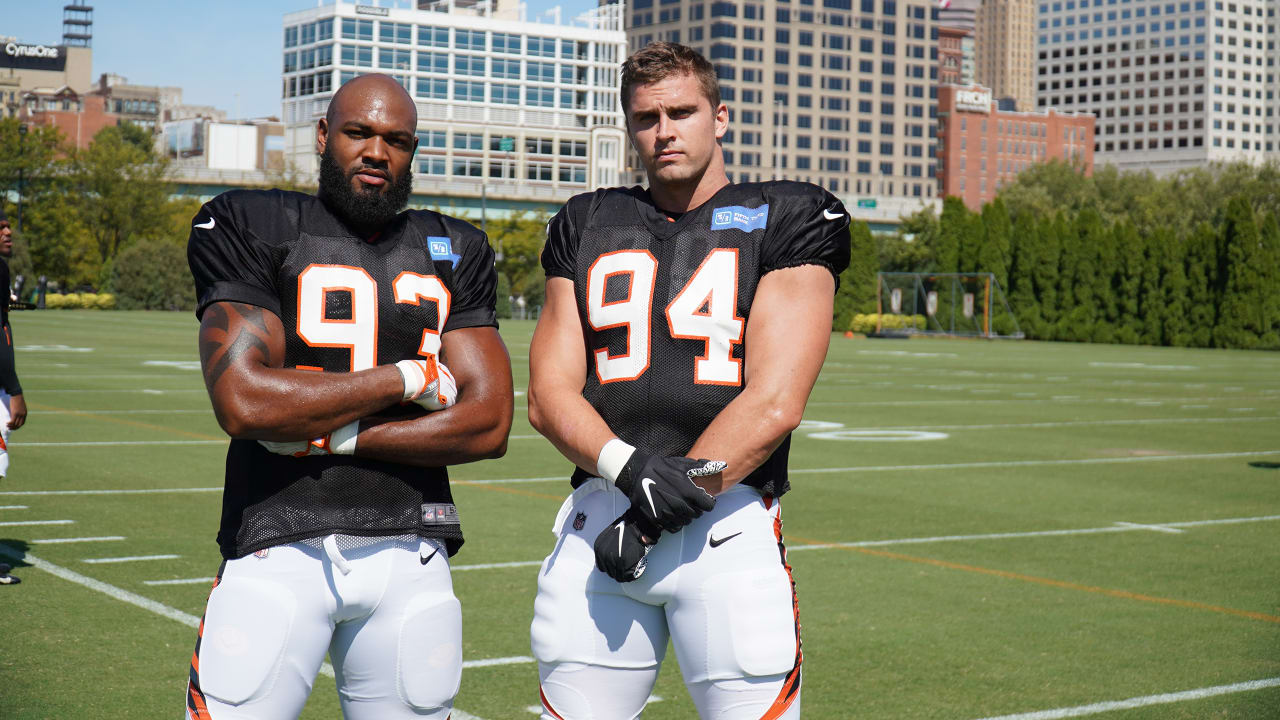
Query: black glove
661	489
621	548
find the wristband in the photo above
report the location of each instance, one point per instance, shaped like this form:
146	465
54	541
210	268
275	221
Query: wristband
613	458
415	378
343	440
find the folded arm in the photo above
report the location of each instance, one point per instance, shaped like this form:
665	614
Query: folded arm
254	397
474	428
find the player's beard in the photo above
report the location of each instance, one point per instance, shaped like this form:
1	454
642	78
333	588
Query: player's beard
369	210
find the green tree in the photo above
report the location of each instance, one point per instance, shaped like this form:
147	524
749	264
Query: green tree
1129	266
951	227
1151	301
1173	280
138	136
1025	247
1271	278
120	191
520	237
857	292
1045	274
1201	275
994	254
1243	313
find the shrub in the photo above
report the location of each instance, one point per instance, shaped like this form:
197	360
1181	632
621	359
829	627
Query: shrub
152	275
106	301
866	323
54	301
70	301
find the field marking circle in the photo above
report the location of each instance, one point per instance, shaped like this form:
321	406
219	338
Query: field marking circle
880	435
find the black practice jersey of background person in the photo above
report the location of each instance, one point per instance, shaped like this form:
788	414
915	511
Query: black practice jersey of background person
8	372
760	226
251	246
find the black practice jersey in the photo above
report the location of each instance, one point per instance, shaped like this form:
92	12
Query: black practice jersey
346	304
664	303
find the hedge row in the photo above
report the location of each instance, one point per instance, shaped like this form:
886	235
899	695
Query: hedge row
80	301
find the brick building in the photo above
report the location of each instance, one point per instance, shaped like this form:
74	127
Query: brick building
980	148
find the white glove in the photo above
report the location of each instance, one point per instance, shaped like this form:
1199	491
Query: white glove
428	382
339	442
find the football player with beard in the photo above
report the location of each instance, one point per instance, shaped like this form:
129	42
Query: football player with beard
325	325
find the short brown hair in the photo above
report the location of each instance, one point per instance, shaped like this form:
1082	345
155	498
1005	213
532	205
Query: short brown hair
661	60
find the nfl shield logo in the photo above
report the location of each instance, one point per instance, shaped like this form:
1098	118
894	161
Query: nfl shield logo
579	521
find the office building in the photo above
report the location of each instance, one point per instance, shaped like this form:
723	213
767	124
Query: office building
1173	84
1005	42
982	147
955	56
838	93
505	106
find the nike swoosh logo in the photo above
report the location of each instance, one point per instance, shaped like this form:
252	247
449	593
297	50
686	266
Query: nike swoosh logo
717	542
825	213
207	226
427	559
622	524
644	485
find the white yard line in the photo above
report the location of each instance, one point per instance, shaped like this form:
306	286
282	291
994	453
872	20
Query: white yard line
1034	463
187	581
59	541
1118	527
1076	423
1153	528
797	471
24	523
1144	701
99	586
13	507
496	566
121	491
131	558
172	613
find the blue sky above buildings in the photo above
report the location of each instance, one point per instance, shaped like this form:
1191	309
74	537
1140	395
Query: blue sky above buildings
225	53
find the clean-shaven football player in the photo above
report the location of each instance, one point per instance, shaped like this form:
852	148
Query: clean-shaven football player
325	325
684	320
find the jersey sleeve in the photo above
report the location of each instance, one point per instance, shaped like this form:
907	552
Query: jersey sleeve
560	254
811	227
229	260
475	292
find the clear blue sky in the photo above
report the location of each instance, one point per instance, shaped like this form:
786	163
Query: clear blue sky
213	49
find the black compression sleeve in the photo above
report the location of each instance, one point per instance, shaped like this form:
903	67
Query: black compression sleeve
8	370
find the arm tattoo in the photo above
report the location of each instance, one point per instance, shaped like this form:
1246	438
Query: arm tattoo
218	350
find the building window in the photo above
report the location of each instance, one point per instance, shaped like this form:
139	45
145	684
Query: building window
433	36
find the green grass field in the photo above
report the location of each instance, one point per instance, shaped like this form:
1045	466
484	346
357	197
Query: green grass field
977	529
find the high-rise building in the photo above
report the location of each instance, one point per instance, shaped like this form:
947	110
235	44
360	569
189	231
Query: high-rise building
1005	38
839	93
520	109
1173	84
981	147
955	56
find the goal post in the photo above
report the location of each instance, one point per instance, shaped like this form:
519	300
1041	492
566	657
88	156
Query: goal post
954	304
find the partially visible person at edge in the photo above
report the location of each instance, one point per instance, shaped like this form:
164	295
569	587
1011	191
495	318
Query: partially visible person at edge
684	320
326	324
13	406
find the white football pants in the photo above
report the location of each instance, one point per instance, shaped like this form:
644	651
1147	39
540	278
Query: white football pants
4	433
385	613
720	589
